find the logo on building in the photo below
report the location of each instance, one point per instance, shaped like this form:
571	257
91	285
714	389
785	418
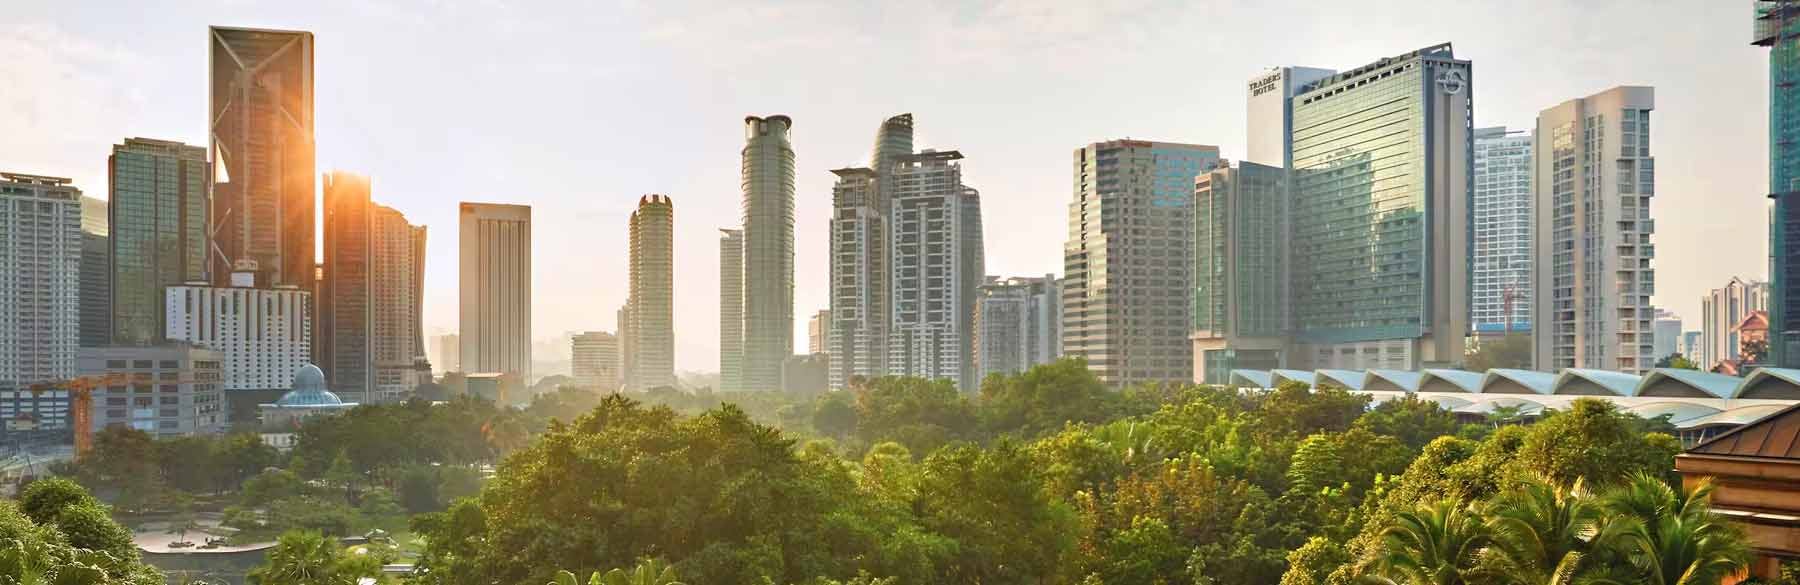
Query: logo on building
1452	81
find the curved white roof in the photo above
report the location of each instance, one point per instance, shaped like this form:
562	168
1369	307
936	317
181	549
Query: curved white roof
1467	381
1679	412
1408	381
1301	376
1537	382
1734	417
1617	383
1449	402
1349	379
1256	378
1526	406
1790	377
1707	383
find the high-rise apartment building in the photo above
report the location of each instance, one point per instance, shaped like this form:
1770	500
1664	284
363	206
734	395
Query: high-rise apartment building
1667	333
1721	310
1240	270
449	353
495	289
1594	180
346	295
594	360
397	304
96	274
178	389
1379	232
938	265
1501	224
768	204
650	316
818	333
263	334
1269	127
261	116
1018	324
159	200
1777	26
859	277
731	310
40	272
1127	281
1690	346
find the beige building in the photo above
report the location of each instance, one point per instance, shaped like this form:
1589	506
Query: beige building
397	277
495	288
650	311
818	333
1721	310
178	389
594	357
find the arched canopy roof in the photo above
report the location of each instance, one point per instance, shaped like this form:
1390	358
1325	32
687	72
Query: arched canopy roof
1447	401
1679	383
1771	384
1347	379
1526	406
1734	417
1508	381
1678	412
1251	378
1283	376
1449	381
1392	381
1586	382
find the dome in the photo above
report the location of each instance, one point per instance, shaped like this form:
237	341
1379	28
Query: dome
309	390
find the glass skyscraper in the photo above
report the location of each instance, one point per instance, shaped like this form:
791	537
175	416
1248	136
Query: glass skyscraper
158	221
1239	270
768	204
1501	219
1777	26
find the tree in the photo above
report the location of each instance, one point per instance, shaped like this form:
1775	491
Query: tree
310	558
647	572
1672	537
993	505
1754	350
43	500
1413	421
1511	351
1542	533
1042	399
1677	361
43	553
1433	544
834	416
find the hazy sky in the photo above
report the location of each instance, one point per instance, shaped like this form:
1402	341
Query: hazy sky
579	108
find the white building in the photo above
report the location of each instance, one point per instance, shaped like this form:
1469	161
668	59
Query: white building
40	271
1269	127
494	288
594	357
1502	230
938	264
263	335
176	389
1018	324
1721	310
1594	180
859	278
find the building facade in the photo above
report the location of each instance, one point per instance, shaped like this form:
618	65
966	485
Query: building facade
1240	270
449	353
261	117
159	199
594	357
650	316
1127	280
818	333
768	214
1383	147
1667	334
40	275
859	276
1269	116
1777	26
938	264
96	274
1690	346
1721	310
175	389
263	335
1018	324
1593	182
1501	223
397	304
346	295
731	310
494	289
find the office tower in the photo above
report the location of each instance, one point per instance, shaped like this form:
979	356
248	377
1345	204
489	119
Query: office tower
1269	126
768	182
938	264
397	304
1690	346
1721	310
158	219
495	289
345	298
859	276
594	360
1379	235
1777	26
96	274
649	319
449	353
188	397
40	272
1018	324
261	116
263	334
1501	219
1127	278
1594	180
1240	214
731	310
627	346
818	333
1667	334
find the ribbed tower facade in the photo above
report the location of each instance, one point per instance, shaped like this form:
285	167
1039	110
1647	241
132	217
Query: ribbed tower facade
494	289
768	216
651	307
261	117
731	310
397	277
938	268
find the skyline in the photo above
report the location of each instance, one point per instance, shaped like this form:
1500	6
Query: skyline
581	151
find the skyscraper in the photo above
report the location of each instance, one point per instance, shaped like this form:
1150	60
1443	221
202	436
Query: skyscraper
594	360
261	116
1379	235
40	272
1594	180
346	297
1721	310
1018	324
96	274
1777	26
938	265
1502	229
650	324
1668	335
1269	120
397	304
1240	267
859	277
1127	277
449	353
768	204
494	289
731	310
818	333
158	219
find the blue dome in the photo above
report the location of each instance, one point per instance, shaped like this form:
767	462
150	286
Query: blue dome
309	390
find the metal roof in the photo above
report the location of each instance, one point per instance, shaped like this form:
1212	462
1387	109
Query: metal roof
1527	407
1736	416
1715	385
1349	379
1786	375
1257	378
1679	412
1408	381
1301	376
1618	383
1538	382
1467	381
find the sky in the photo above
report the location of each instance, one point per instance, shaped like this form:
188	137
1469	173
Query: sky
580	108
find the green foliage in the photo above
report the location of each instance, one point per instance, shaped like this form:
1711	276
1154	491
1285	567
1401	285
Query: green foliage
1511	351
81	547
45	499
920	414
647	572
310	558
1677	361
1043	399
1413	421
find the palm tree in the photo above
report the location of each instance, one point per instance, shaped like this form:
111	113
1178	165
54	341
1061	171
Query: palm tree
299	558
1543	532
1434	544
647	572
1673	537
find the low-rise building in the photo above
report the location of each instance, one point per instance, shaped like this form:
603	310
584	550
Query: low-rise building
172	389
